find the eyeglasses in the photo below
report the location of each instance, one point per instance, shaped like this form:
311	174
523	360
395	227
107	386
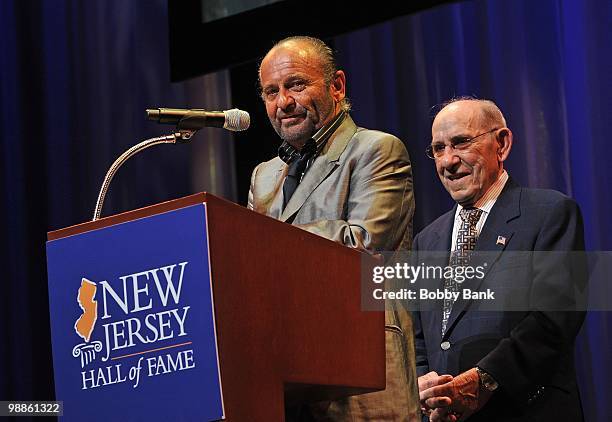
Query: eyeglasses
459	143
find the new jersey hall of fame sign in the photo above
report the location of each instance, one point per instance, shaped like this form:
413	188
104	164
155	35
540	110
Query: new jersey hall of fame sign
132	321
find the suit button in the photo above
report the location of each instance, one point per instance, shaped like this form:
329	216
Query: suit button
445	345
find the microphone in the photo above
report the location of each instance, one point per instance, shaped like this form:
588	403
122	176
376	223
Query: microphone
195	119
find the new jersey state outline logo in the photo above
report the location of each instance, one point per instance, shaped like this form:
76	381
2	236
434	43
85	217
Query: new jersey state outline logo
85	324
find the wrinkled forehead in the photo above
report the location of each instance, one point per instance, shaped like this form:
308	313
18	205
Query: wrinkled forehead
459	118
290	57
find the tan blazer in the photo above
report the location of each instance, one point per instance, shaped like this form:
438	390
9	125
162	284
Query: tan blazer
358	192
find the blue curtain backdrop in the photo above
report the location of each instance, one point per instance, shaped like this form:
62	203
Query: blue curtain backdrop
76	76
75	80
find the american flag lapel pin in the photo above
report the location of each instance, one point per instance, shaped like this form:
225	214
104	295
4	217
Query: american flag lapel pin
501	240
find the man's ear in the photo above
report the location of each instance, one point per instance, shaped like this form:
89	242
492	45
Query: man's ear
504	141
338	86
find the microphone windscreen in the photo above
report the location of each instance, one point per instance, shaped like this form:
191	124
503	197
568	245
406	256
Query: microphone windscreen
236	120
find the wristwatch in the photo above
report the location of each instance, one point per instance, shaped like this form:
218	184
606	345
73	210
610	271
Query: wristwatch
486	380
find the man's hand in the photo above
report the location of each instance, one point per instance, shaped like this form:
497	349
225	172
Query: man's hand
426	383
464	393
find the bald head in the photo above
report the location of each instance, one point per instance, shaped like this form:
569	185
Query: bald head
473	142
309	48
486	110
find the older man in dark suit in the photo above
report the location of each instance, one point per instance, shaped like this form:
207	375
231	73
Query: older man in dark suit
498	365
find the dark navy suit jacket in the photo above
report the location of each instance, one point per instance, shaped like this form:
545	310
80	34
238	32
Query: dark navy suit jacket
530	352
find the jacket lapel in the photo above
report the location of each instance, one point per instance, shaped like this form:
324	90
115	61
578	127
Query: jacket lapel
441	238
322	166
276	205
488	249
438	245
269	200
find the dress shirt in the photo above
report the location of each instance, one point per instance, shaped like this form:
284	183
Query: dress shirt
288	152
485	204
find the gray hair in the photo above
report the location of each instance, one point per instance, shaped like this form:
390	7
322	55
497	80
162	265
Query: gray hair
326	56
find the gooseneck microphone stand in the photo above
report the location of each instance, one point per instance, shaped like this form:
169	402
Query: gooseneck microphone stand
180	136
188	122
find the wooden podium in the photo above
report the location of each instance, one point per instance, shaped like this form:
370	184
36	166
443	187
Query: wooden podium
287	307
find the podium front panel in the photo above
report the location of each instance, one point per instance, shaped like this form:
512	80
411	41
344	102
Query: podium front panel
132	320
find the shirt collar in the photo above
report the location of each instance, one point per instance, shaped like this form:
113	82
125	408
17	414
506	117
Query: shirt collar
488	199
288	152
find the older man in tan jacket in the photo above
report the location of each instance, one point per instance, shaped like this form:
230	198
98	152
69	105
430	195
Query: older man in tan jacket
342	182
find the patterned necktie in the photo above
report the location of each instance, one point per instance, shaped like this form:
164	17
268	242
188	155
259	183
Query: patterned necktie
296	169
465	244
